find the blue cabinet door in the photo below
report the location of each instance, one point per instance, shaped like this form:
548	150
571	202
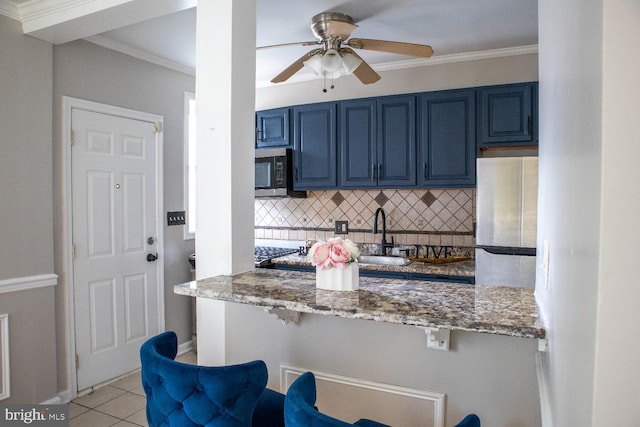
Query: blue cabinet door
272	128
357	155
508	115
315	146
447	139
396	141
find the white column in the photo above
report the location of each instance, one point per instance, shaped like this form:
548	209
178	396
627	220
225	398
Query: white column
225	96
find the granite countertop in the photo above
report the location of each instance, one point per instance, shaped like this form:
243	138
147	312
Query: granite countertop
465	268
486	309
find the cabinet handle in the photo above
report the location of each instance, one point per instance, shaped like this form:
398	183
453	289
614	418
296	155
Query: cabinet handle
529	123
373	172
295	174
258	132
379	170
424	170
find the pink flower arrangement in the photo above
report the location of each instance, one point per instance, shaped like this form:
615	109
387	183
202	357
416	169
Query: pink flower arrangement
334	252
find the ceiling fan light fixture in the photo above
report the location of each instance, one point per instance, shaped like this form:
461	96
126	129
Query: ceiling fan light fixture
350	63
331	61
315	64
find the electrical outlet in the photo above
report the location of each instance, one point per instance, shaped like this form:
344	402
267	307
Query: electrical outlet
176	218
341	227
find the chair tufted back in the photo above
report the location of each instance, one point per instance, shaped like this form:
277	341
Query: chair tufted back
188	395
299	409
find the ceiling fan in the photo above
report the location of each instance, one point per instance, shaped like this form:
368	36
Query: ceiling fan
332	30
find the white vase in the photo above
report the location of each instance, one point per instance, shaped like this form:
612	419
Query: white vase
338	279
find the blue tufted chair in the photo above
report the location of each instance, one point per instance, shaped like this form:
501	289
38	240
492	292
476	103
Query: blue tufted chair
299	410
182	395
470	420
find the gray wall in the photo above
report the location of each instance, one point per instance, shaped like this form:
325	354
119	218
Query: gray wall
25	154
84	70
26	228
490	375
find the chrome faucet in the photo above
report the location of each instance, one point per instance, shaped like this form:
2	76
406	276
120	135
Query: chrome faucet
384	245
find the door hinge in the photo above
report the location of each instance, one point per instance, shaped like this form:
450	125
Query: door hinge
72	137
77	362
158	127
73	251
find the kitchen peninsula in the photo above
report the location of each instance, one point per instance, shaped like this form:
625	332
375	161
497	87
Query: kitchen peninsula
378	338
455	306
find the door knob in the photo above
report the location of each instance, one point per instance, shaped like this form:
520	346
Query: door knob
152	257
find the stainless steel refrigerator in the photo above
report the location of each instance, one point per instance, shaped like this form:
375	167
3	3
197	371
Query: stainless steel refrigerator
506	215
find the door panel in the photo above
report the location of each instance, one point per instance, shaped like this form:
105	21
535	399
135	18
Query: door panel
99	214
396	141
116	291
315	146
102	308
358	144
447	139
507	114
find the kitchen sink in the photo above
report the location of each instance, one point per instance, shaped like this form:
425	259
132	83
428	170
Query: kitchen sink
382	260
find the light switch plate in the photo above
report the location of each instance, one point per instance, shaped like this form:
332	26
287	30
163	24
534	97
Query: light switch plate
176	218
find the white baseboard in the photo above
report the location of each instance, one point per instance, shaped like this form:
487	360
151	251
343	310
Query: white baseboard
185	347
61	398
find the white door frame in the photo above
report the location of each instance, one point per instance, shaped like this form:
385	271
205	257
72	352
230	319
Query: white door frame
68	104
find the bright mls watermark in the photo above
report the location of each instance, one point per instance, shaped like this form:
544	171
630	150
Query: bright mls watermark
34	415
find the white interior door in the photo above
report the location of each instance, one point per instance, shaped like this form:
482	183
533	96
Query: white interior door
115	229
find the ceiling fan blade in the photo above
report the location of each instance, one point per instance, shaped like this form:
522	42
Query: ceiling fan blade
288	44
364	72
411	49
295	67
340	29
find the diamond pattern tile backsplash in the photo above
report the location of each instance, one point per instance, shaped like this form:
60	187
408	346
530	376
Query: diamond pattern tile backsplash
432	217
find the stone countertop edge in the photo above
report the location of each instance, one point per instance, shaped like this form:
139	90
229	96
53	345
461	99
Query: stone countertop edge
485	309
459	268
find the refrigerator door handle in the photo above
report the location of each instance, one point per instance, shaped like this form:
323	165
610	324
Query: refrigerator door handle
508	250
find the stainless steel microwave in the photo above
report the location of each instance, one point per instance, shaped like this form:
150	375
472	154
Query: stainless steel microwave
274	173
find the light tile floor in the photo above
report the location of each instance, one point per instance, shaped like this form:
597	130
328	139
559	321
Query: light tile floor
120	403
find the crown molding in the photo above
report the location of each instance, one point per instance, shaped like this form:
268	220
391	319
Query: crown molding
9	10
435	60
141	54
457	57
37	9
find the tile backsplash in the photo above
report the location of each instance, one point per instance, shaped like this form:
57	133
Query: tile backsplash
424	217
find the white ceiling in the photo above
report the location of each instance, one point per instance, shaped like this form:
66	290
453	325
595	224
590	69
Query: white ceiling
451	27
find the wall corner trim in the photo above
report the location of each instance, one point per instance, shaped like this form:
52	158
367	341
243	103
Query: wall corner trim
26	283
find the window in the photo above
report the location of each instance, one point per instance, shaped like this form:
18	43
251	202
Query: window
190	165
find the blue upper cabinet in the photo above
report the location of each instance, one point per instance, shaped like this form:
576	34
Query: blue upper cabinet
508	115
377	142
314	138
447	139
357	144
396	141
272	128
